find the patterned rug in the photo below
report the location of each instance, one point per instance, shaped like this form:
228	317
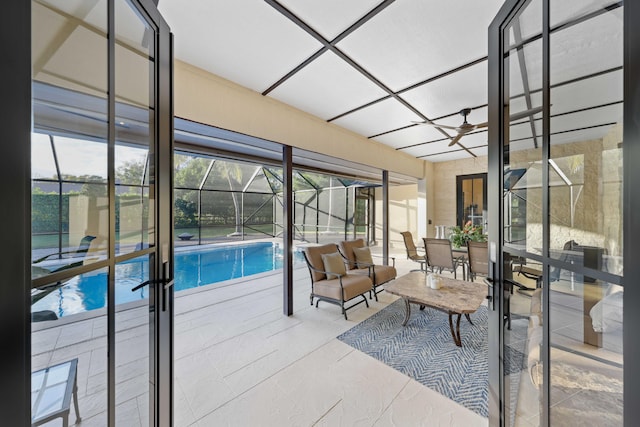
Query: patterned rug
424	350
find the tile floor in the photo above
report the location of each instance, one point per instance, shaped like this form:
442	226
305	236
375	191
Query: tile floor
240	362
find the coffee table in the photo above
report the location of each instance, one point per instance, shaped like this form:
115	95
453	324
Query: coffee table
454	297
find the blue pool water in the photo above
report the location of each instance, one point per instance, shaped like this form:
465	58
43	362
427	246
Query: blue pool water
195	267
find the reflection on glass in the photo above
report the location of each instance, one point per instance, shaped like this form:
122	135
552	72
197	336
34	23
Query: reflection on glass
585	215
135	142
60	335
132	341
135	52
522	173
523	215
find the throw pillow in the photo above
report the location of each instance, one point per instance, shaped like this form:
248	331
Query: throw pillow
363	257
333	263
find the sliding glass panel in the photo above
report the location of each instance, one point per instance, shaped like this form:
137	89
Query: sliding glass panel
585	215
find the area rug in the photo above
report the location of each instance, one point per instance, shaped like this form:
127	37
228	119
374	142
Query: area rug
424	350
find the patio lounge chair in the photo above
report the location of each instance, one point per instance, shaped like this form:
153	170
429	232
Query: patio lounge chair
412	251
440	256
359	260
330	280
76	258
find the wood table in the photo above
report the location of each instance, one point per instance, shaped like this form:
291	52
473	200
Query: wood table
454	297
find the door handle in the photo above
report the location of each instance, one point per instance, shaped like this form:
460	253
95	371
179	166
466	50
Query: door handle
145	283
491	288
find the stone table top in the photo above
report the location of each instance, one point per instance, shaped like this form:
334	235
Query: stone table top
456	296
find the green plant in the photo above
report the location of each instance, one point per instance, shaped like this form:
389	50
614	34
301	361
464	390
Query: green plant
460	236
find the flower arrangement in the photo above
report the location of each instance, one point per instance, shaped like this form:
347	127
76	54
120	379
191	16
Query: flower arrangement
460	236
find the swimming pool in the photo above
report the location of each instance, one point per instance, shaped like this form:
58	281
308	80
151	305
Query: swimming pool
194	267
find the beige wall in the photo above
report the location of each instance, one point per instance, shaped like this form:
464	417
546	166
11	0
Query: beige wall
203	97
403	213
444	181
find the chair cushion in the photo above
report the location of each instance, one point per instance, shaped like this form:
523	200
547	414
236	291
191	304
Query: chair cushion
314	256
347	248
333	263
353	285
384	273
363	256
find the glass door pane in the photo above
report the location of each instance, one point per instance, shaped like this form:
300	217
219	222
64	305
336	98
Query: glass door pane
585	214
134	151
522	200
94	196
70	206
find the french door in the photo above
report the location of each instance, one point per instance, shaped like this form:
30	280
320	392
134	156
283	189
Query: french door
99	159
563	150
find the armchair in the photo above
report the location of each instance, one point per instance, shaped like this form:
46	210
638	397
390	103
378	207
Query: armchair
332	283
359	261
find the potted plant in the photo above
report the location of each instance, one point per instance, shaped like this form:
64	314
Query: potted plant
460	236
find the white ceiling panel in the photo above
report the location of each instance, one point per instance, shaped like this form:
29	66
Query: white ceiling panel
406	43
587	93
410	136
429	148
530	20
475	139
583	119
525	145
330	17
378	118
591	46
445	157
245	41
327	87
424	36
566	10
445	94
580	135
480	151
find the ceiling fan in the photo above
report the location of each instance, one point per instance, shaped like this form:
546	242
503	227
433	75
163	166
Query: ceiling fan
467	127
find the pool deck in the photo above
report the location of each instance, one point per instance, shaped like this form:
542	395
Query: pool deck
240	361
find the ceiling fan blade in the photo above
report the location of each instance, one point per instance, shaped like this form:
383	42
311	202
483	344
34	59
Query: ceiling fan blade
514	117
525	113
456	139
435	125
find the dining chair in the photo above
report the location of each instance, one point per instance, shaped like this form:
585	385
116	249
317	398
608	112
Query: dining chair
412	251
440	256
477	259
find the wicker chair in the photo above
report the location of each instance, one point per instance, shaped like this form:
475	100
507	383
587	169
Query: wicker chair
379	274
331	287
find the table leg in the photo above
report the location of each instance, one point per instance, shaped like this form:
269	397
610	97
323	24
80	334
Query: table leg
468	318
455	333
407	312
75	399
